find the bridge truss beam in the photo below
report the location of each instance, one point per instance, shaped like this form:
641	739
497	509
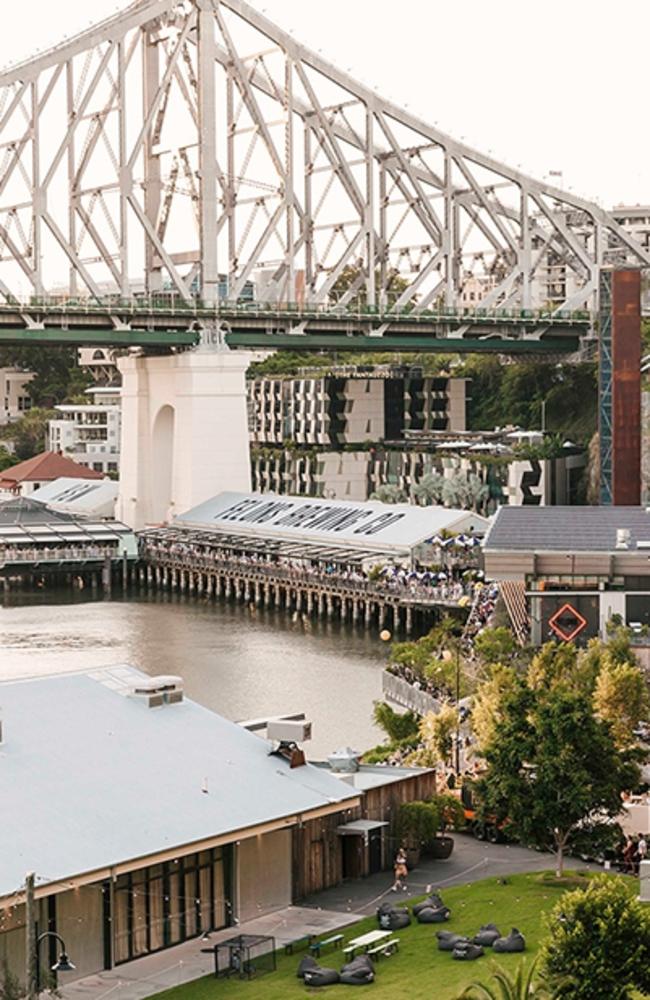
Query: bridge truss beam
194	146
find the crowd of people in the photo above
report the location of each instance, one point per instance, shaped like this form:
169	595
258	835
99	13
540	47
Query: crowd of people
449	586
47	553
483	607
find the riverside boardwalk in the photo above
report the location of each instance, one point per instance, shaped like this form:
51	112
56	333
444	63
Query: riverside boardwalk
362	563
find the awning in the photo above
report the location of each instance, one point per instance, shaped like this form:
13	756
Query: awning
359	827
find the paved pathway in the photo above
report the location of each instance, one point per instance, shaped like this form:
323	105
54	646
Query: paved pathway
471	860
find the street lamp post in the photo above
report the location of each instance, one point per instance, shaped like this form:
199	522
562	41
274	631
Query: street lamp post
33	944
448	655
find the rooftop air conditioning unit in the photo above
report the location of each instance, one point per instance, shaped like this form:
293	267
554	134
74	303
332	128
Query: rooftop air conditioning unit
622	538
161	690
288	731
344	760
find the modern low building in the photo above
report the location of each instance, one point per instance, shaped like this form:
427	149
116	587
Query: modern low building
351	406
38	539
93	498
89	433
577	567
149	819
25	477
15	398
324	530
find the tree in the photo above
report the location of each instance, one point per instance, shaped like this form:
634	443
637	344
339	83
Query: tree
397	725
552	766
487	711
437	730
495	645
29	434
388	493
621	698
6	459
352	279
430	489
58	377
598	943
11	987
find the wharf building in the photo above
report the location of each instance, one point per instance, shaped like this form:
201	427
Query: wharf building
168	821
42	546
352	562
565	572
347	406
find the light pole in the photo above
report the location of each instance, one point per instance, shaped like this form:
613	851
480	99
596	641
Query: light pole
448	656
33	944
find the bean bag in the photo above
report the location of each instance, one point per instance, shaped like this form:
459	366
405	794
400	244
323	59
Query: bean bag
487	935
434	916
358	972
308	962
466	952
392	919
434	900
515	941
447	940
320	976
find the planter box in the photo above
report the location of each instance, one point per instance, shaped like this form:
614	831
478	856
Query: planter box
440	848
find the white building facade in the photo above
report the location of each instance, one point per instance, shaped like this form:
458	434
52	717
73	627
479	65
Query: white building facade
89	433
15	394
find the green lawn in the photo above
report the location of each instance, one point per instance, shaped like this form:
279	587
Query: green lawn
419	970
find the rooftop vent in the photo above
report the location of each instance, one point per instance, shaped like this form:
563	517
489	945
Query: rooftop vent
343	760
622	538
165	689
287	734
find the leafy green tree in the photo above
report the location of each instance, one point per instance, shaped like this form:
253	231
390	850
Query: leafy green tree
397	725
389	493
6	459
621	698
29	433
495	645
430	489
598	943
487	704
437	730
552	766
58	377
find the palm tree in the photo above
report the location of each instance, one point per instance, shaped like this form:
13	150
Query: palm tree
429	489
507	986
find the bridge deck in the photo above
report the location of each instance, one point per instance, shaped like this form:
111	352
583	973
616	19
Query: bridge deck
172	322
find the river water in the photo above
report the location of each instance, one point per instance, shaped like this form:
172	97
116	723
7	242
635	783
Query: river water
242	662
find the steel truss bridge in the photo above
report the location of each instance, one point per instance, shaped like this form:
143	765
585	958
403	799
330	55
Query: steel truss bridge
156	165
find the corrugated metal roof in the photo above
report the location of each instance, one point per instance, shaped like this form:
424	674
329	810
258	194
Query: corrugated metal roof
367	525
566	529
91	776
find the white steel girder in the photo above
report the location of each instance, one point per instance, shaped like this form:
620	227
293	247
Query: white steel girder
192	146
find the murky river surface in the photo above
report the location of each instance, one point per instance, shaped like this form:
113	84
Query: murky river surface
241	662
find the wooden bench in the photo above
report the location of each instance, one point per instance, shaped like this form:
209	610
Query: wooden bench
384	948
316	946
305	940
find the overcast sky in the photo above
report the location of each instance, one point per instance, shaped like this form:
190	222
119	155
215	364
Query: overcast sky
560	85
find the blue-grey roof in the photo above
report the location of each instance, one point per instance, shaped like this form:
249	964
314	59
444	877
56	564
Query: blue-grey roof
566	529
90	777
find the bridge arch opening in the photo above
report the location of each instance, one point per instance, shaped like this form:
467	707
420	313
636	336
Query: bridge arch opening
162	462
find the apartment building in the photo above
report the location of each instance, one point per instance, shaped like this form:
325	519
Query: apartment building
89	432
352	406
15	396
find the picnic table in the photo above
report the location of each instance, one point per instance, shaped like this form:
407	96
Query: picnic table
365	941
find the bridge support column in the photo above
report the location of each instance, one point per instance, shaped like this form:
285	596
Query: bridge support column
184	432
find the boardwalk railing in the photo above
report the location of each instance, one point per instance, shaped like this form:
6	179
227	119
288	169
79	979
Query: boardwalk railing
402	693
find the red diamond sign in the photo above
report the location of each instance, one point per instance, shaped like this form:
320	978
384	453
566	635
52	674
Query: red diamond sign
567	623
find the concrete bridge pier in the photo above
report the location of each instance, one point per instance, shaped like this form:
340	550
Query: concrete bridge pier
184	432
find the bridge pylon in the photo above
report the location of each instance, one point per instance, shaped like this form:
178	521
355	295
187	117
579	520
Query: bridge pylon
185	432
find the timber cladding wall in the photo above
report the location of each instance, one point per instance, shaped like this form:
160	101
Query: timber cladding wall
317	857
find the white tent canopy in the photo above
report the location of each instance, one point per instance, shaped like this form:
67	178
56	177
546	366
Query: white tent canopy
397	528
93	497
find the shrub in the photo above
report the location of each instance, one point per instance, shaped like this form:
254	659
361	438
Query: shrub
598	944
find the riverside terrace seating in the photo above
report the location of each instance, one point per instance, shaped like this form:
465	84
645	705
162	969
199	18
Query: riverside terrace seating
447	940
487	935
391	918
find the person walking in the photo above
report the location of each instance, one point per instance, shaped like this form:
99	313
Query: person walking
401	870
